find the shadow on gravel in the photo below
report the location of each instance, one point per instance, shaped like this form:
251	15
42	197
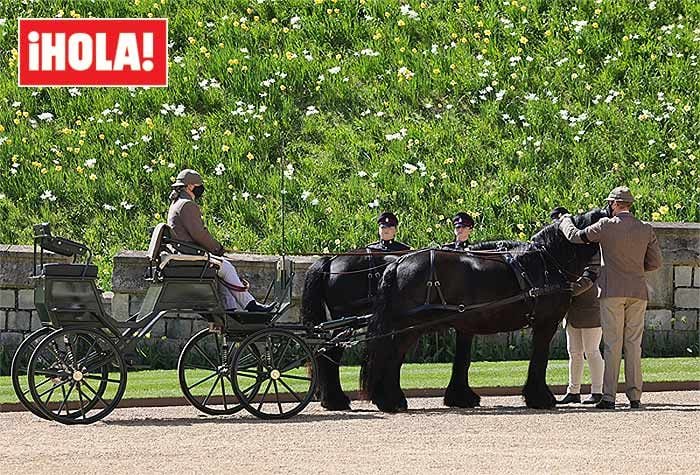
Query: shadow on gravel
247	419
562	410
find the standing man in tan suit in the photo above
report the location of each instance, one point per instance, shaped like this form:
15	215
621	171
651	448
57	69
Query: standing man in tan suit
628	249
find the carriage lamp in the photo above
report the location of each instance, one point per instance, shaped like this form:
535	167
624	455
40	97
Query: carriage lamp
42	230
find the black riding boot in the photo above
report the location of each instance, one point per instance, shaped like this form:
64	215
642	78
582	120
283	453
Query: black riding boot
254	306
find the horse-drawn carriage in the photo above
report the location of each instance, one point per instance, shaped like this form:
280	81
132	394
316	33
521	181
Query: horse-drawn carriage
73	369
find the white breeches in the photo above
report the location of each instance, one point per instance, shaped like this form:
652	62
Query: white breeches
580	342
227	273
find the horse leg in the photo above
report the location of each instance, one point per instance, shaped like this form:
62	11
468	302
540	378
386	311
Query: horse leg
329	390
458	392
536	393
390	397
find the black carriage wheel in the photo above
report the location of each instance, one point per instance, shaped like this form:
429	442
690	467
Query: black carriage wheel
18	370
204	373
284	377
85	372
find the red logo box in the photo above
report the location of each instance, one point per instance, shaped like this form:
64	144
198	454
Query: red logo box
113	52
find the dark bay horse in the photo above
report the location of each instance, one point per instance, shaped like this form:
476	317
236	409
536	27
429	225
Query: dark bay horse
494	289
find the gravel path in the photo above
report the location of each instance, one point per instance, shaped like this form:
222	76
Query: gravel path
501	436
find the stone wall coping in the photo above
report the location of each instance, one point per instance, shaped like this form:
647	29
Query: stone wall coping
676	225
127	255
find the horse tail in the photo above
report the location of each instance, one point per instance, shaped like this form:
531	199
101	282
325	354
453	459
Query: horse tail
313	300
379	349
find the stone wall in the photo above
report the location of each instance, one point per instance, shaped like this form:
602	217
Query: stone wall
671	320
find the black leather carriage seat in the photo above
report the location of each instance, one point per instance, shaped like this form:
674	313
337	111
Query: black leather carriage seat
69	270
183	266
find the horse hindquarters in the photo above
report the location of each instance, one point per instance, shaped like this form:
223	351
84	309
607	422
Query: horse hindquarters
381	365
313	310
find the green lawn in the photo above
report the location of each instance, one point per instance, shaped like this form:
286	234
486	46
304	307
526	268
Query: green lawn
503	109
163	383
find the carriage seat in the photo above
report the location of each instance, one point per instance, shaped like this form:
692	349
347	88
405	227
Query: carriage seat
69	270
183	266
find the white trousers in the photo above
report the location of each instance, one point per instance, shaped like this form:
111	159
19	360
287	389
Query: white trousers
580	342
227	273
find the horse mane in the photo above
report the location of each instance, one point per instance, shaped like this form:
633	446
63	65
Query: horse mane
550	234
500	245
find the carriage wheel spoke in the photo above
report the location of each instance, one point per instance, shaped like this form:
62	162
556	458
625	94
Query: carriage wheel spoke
293	364
199	350
65	400
82	404
87	353
105	360
55	386
99	398
203	380
101	378
290	390
223	393
267	390
256	385
277	395
47	380
284	351
247	373
48	372
48	398
211	391
294	376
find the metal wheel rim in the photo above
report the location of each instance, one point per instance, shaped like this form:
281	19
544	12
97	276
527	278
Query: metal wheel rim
93	366
18	369
217	378
278	378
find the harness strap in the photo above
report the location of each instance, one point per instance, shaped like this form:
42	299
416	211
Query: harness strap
370	274
433	281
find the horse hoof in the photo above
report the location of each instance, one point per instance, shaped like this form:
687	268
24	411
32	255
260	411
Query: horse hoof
343	405
392	408
461	403
464	401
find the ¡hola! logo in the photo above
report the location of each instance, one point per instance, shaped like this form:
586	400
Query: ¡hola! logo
114	52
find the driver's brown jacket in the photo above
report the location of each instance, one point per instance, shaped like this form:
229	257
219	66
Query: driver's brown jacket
185	222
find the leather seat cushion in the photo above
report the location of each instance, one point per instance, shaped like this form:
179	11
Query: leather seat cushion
70	270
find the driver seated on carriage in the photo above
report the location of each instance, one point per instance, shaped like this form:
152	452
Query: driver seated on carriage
185	222
463	226
388	222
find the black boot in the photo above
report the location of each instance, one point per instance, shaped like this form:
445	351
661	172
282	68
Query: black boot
570	398
595	398
254	306
603	404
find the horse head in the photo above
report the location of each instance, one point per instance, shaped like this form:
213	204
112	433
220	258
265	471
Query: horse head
571	257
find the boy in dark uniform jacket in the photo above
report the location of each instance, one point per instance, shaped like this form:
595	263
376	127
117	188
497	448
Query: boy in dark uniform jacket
463	226
388	223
